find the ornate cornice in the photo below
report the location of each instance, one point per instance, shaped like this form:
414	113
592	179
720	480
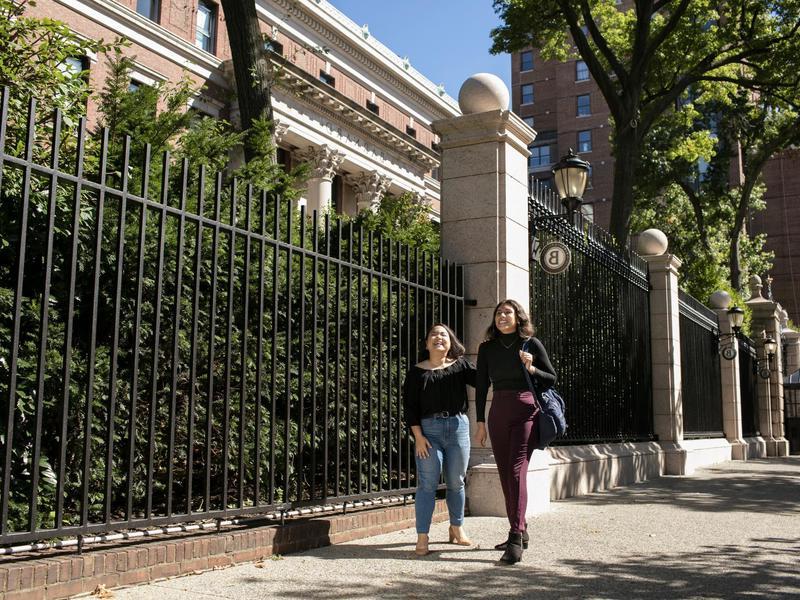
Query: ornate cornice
337	107
299	11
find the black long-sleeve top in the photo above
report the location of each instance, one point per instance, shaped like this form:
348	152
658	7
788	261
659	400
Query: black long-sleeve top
429	391
500	366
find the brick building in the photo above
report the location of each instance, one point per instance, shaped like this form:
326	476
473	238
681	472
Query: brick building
564	105
344	102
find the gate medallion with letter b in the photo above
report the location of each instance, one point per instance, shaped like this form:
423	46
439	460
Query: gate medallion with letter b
555	258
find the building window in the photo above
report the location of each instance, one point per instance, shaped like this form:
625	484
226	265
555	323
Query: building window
273	46
540	156
584	105
585	141
327	78
581	71
134	86
76	66
372	106
526	93
528	121
411	131
526	60
205	30
149	9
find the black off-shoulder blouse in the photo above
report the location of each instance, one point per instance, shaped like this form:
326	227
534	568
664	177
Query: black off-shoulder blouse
429	391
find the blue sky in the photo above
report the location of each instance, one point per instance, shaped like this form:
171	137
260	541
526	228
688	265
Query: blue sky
445	40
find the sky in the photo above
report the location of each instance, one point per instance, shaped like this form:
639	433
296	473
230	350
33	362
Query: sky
445	40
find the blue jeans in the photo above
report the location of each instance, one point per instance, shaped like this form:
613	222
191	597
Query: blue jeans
449	438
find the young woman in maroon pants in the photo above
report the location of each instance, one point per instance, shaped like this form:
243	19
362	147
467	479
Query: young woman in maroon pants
508	351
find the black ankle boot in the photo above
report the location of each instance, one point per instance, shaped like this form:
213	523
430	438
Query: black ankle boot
525	538
513	553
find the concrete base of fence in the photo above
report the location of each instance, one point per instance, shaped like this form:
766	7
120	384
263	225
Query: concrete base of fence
756	447
485	497
686	456
738	449
778	447
566	471
578	470
62	574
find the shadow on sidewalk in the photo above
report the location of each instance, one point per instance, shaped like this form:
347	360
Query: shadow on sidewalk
730	488
763	568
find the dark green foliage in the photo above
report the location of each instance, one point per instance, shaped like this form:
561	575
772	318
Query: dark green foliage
404	219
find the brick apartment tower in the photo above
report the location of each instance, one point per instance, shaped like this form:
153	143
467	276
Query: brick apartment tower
561	101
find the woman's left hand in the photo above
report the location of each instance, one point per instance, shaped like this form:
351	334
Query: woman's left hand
527	359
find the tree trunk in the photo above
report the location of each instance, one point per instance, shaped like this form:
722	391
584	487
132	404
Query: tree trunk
739	230
733	261
251	65
626	160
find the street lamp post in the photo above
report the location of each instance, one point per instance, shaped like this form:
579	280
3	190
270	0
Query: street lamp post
736	320
571	174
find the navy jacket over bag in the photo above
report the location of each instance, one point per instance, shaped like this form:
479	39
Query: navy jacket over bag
551	420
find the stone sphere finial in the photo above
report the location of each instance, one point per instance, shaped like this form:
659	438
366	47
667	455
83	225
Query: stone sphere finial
720	299
483	92
755	286
652	242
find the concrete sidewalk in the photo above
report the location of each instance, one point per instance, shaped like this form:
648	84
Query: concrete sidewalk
728	531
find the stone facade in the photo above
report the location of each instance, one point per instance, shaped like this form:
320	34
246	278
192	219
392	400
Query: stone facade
339	88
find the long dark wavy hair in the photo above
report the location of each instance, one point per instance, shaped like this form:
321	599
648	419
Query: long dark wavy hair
456	347
524	325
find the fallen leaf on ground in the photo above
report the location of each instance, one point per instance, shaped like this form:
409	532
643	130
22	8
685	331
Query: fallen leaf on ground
101	592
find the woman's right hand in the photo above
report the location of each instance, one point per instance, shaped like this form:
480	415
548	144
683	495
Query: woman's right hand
480	434
422	445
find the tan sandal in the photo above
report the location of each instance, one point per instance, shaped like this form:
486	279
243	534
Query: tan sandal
458	537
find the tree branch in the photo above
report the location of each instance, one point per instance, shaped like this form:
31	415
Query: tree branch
598	39
659	38
601	77
699	217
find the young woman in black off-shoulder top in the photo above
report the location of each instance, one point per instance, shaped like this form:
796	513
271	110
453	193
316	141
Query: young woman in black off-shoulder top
435	397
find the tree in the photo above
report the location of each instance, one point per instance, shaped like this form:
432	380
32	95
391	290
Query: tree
251	67
403	219
743	131
645	58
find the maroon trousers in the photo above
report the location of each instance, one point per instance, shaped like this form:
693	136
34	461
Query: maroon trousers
512	428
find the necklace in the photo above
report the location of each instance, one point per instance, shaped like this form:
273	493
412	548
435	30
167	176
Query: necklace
507	347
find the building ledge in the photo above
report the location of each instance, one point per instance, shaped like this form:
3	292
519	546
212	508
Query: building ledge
294	80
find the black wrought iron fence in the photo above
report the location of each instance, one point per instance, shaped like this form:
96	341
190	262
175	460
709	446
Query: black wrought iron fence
701	379
748	383
176	347
594	320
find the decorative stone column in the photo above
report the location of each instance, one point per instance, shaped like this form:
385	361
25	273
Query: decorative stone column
766	318
731	384
665	346
484	219
791	340
324	162
369	188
